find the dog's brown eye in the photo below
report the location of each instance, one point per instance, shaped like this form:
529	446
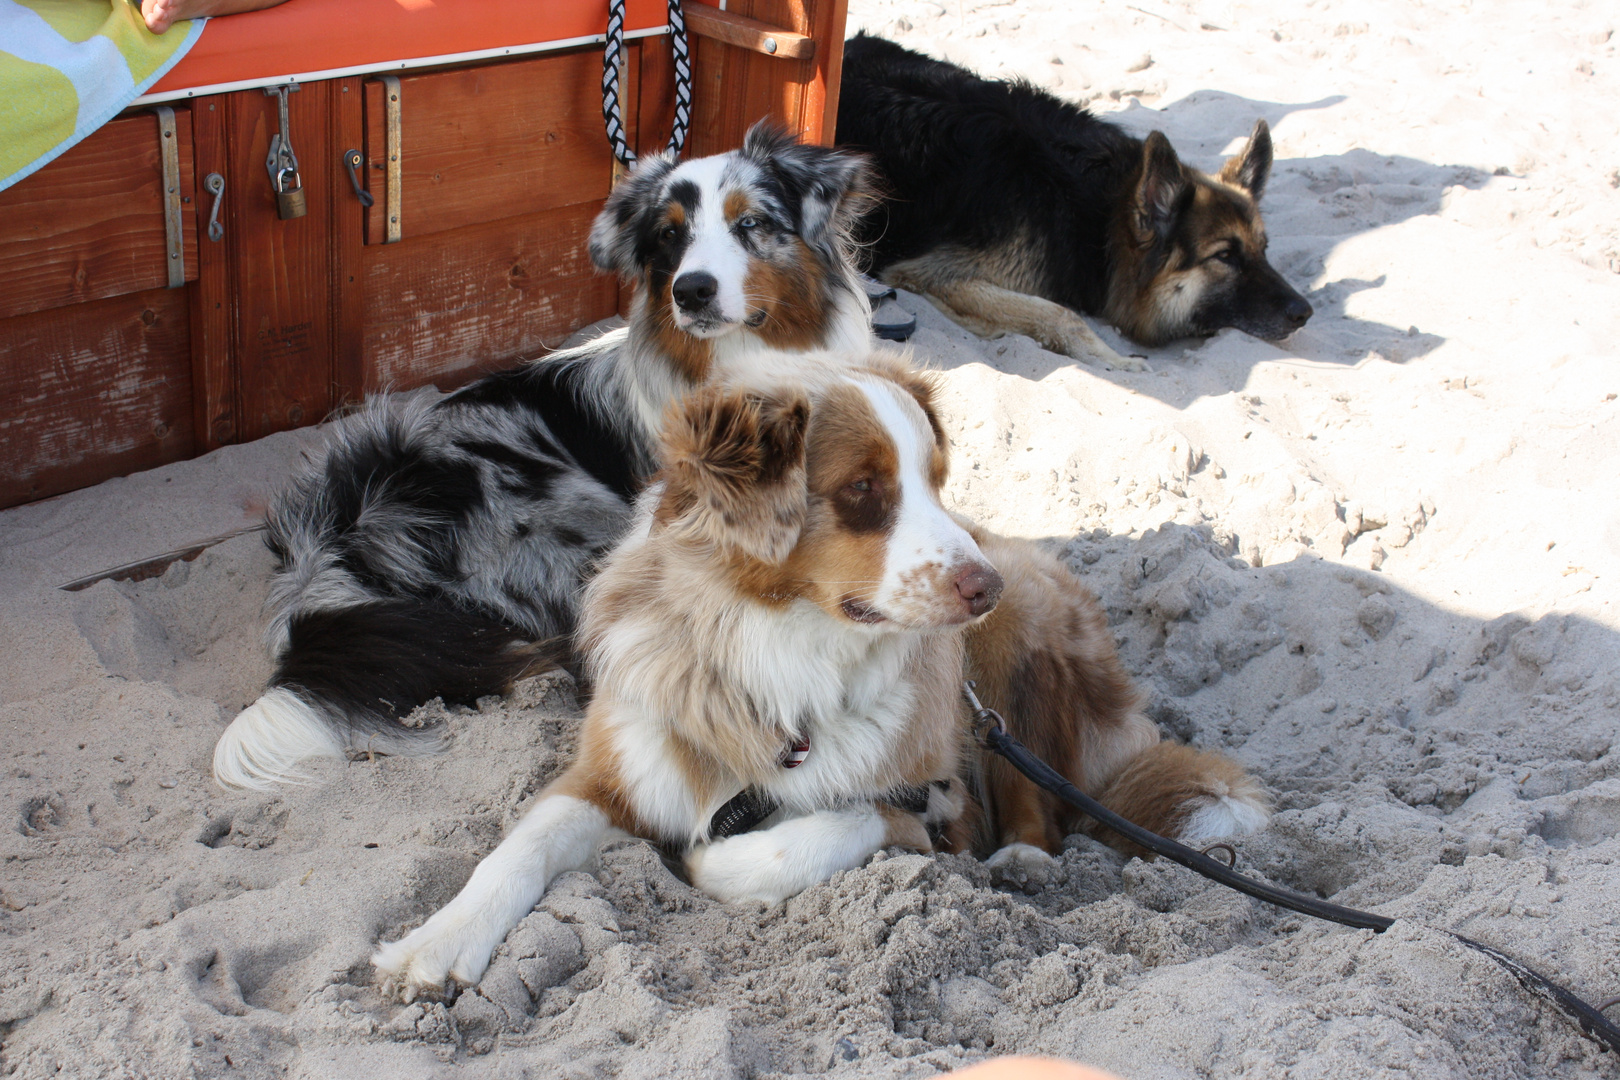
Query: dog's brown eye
1229	256
670	233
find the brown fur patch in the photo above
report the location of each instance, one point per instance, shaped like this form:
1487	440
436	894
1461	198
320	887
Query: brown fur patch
595	778
734	470
793	291
1163	787
1045	659
692	357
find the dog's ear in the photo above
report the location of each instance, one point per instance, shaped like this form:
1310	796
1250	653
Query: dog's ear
1251	169
1161	190
616	233
734	470
829	188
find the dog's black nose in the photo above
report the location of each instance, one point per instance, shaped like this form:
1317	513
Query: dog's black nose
1298	311
980	586
694	290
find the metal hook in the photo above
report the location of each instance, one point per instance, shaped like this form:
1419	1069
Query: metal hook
983	718
214	184
1231	853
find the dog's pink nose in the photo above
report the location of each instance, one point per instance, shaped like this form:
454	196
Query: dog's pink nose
980	586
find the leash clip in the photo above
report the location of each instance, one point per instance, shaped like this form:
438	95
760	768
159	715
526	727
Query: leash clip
983	718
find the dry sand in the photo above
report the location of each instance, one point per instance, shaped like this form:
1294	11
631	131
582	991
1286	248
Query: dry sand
1376	563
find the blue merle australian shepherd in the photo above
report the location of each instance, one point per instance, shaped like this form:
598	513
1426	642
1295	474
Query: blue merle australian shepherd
435	547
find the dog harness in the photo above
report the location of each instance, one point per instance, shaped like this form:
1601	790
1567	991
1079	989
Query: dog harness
750	806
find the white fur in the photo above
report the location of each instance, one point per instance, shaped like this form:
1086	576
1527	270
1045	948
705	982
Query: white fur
1224	817
775	863
271	736
924	536
712	248
559	833
1023	856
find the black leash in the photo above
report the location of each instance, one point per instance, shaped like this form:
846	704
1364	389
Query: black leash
991	730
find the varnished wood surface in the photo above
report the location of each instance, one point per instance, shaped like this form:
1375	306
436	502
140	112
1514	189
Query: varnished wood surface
90	224
95	390
484	143
450	306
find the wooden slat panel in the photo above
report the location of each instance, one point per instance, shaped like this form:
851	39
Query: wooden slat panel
655	96
447	307
90	224
283	268
495	141
93	391
348	247
212	295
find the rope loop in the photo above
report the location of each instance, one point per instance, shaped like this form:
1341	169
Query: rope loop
612	64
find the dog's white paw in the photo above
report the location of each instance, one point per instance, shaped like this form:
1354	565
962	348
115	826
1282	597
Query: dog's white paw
1019	856
446	947
1023	864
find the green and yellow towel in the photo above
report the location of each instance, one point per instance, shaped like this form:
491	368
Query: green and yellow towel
69	66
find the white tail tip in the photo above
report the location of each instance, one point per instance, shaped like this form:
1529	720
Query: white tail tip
268	738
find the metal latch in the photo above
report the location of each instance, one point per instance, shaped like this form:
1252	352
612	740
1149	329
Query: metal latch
392	138
174	235
282	163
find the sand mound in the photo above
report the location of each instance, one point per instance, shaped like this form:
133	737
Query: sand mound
1374	563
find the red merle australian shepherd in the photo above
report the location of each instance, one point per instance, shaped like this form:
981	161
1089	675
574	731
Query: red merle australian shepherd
777	649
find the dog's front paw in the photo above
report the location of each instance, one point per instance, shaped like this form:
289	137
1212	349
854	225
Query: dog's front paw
1073	338
441	950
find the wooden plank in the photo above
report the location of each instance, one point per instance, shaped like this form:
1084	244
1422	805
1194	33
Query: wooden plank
90	224
655	95
820	108
494	141
748	33
94	391
283	268
348	247
449	306
212	296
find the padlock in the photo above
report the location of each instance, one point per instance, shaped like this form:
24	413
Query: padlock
291	203
282	163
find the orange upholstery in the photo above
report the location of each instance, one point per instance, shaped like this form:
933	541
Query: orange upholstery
1030	1068
306	36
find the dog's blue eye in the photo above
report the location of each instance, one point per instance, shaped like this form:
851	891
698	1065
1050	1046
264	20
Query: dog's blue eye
747	221
863	486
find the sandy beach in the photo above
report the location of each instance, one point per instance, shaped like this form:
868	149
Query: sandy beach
1376	563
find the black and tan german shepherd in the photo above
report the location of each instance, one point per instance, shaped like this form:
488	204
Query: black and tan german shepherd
1012	210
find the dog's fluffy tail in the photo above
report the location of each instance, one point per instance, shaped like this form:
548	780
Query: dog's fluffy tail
348	678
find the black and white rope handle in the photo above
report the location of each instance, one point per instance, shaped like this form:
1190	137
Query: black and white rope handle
612	58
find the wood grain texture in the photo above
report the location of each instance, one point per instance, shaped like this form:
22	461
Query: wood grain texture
348	246
494	141
212	297
90	224
447	307
96	390
283	268
749	33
